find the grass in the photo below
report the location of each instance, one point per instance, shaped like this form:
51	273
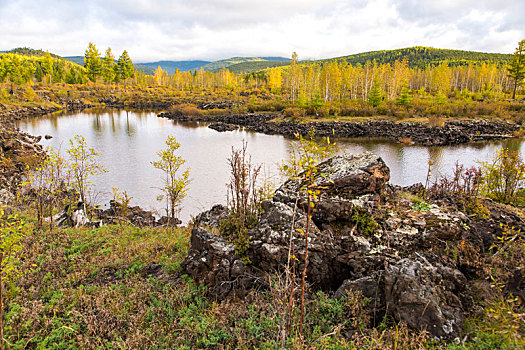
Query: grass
99	289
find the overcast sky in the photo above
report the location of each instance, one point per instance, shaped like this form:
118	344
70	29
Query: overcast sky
215	29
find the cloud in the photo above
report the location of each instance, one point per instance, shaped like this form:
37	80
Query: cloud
210	29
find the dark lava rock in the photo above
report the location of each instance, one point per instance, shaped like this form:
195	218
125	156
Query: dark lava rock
362	237
221	127
451	133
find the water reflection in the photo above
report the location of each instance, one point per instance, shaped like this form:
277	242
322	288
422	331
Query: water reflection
129	140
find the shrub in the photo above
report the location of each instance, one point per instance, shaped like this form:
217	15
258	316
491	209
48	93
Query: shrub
294	113
504	176
185	110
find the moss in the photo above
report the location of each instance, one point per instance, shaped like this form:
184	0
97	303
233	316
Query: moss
365	224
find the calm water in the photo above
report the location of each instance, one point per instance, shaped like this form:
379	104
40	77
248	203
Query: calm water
128	142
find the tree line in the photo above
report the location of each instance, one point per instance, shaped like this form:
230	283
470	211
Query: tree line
332	80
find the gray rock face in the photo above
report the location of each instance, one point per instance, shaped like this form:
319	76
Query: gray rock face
358	240
415	295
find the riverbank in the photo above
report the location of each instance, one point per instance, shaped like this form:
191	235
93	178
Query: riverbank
452	132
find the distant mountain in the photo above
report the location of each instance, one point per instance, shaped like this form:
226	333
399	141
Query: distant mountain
76	59
171	66
140	67
262	63
254	66
422	57
273	58
218	65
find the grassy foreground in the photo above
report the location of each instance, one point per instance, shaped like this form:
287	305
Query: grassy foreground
121	287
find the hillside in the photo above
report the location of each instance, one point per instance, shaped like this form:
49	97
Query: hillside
171	66
422	57
253	66
218	65
27	51
416	57
22	65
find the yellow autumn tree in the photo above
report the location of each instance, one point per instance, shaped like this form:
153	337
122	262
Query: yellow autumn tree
275	79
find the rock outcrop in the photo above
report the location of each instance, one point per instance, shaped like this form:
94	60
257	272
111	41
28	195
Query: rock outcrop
363	237
17	151
451	133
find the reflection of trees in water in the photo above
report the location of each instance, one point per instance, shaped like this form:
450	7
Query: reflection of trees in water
97	124
114	119
189	125
513	144
131	128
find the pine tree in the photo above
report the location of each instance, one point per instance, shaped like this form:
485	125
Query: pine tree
375	97
108	72
92	62
516	69
125	67
404	98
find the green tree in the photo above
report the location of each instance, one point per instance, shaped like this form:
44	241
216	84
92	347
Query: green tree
108	71
404	98
516	69
125	67
375	97
47	66
175	187
82	165
92	62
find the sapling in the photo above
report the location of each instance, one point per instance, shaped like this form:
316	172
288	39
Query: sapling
175	187
303	168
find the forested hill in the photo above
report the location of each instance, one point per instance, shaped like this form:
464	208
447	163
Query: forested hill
416	57
422	57
27	51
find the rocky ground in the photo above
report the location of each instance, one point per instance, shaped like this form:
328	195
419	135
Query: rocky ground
451	133
11	115
426	263
17	151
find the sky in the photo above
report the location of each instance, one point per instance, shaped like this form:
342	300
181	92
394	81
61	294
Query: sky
152	30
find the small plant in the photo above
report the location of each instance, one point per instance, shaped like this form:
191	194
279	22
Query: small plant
244	200
175	187
364	223
302	167
122	199
405	140
420	205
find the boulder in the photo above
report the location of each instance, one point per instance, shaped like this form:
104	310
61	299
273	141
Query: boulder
414	265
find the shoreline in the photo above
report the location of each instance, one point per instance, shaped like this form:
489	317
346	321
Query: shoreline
453	132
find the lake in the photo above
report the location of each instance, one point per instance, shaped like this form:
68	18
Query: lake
128	142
